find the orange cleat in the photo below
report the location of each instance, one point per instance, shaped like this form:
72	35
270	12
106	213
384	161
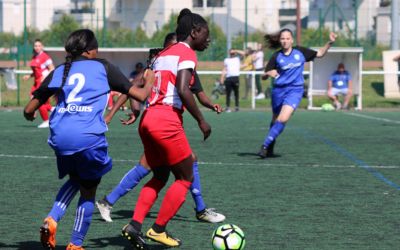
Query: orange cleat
73	247
48	233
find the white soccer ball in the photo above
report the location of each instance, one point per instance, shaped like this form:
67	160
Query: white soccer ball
228	237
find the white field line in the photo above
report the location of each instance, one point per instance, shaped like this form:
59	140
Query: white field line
261	163
373	118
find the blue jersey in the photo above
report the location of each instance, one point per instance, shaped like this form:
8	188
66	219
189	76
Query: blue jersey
77	122
340	80
290	67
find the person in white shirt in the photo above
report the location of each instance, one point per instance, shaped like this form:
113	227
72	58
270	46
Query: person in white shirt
258	62
230	78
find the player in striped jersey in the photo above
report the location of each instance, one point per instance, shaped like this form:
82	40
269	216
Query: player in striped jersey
133	177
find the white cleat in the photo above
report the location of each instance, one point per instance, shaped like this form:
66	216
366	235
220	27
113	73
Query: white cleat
44	124
104	209
209	215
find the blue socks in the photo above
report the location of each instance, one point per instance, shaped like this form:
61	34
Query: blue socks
274	131
195	189
64	197
83	217
128	182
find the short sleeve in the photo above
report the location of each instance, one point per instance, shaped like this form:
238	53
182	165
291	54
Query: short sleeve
308	54
272	62
187	60
117	81
196	87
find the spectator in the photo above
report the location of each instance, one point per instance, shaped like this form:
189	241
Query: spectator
247	65
230	74
340	83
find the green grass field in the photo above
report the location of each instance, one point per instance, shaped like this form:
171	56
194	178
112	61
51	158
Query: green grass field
334	186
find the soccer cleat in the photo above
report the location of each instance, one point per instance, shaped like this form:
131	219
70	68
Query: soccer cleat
209	215
163	238
135	237
48	233
263	153
44	124
105	209
73	247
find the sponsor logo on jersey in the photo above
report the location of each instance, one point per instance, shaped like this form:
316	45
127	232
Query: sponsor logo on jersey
73	108
291	66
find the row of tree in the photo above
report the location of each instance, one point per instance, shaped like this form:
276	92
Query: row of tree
122	37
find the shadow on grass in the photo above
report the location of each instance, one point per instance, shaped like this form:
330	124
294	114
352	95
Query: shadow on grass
127	215
378	87
119	241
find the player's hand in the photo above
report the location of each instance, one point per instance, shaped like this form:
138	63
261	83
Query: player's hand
217	108
148	76
132	118
332	37
205	128
29	116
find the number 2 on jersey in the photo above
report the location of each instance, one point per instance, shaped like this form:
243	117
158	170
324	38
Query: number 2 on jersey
80	78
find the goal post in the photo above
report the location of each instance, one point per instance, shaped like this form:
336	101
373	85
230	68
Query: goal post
322	68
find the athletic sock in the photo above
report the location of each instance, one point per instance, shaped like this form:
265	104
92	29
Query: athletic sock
64	197
195	189
83	217
274	132
146	199
128	182
173	200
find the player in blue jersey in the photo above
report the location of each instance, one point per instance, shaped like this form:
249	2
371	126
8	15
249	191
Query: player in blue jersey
340	83
286	67
77	129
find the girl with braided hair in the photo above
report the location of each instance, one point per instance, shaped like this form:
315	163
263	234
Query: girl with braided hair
77	128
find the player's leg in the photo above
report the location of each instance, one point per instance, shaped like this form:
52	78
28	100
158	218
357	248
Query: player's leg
127	183
202	212
288	102
84	212
172	202
147	197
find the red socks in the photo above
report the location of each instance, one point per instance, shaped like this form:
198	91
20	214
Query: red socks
173	200
146	199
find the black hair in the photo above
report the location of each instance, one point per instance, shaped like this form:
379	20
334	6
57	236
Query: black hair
168	38
187	21
78	42
272	40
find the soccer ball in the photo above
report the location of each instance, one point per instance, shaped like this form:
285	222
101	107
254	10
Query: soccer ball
228	237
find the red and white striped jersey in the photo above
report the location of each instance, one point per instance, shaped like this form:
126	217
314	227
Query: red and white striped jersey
179	56
40	66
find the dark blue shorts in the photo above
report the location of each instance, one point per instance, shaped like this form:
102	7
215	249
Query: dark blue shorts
286	96
90	164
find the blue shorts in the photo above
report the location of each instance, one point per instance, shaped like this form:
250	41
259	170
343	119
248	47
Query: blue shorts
90	164
286	96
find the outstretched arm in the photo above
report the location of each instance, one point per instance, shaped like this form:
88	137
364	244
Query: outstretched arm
322	51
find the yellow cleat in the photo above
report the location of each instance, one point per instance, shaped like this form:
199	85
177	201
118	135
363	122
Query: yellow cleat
48	233
163	238
73	247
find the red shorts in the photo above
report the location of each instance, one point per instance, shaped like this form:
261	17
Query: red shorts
163	136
